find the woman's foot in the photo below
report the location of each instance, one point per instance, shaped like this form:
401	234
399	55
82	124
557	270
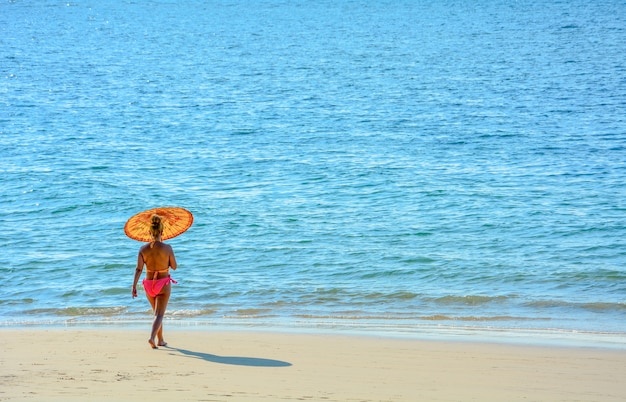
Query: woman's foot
151	342
162	343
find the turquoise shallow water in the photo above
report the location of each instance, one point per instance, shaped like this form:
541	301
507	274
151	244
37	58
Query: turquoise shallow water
398	165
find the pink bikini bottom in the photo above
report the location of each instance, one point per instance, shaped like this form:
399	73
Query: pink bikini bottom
153	287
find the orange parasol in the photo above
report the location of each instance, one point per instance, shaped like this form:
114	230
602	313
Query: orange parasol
175	220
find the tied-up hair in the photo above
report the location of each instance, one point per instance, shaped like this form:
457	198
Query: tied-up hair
156	226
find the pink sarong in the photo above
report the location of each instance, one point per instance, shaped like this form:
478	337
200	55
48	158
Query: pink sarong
153	287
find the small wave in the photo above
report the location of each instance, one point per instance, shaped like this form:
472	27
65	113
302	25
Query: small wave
352	317
601	275
71	293
388	273
65	209
418	260
78	311
435	317
356	297
599	306
115	266
470	300
593	306
114	291
191	313
250	312
479	318
392	296
18	302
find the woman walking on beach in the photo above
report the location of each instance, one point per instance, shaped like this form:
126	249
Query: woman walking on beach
158	258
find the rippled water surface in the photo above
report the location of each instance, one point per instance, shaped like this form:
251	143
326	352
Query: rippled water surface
348	163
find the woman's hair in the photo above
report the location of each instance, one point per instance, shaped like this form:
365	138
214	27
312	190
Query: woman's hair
156	226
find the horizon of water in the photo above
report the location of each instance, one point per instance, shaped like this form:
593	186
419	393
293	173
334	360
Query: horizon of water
406	166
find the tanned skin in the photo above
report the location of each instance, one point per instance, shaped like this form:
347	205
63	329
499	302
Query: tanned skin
158	258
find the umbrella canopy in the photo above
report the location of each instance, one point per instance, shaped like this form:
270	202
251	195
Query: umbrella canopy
175	221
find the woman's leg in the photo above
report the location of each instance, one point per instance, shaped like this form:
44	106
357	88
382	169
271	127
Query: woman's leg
152	301
159	306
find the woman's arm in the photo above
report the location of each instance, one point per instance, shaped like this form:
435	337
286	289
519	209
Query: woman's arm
173	264
138	270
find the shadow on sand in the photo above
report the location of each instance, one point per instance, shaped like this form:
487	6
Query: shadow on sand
233	360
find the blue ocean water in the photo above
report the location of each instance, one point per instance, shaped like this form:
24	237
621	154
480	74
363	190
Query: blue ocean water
402	165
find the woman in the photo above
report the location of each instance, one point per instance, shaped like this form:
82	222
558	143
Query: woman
158	258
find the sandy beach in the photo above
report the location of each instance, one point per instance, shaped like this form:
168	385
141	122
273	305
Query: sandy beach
116	364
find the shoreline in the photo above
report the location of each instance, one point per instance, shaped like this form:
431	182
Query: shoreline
507	336
116	363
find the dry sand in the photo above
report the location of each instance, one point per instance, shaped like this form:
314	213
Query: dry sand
75	364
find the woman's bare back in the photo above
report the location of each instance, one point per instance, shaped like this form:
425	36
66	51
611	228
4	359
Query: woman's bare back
158	257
